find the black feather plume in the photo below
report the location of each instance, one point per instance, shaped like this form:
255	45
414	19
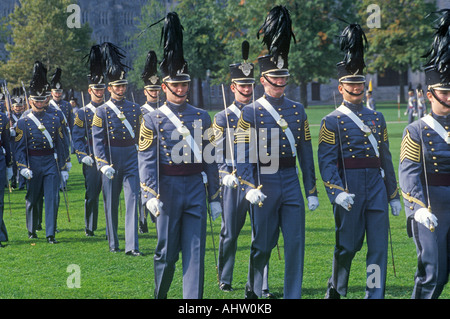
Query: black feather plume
112	57
55	81
245	50
353	42
172	34
439	54
96	64
150	67
277	30
38	83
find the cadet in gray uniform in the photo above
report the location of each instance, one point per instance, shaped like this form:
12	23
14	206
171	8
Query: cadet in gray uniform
424	174
277	129
356	167
115	133
82	140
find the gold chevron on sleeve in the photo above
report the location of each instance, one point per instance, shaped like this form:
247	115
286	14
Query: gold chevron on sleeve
19	134
411	199
242	134
409	149
307	131
97	121
215	133
145	137
326	136
78	122
385	135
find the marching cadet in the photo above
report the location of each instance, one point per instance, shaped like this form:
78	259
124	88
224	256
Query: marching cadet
6	170
115	131
235	206
15	114
40	156
356	167
272	133
82	140
57	102
370	102
152	90
424	174
421	103
171	166
411	108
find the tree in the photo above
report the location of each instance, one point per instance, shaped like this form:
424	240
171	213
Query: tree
403	38
40	31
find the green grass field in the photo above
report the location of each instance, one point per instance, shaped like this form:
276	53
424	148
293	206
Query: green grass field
34	269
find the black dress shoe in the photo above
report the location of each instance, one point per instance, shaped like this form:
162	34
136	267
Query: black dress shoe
267	294
225	287
115	250
332	292
52	240
134	252
32	235
89	233
2	246
250	295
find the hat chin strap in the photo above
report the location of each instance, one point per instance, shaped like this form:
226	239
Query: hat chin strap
243	94
177	95
354	94
438	99
271	83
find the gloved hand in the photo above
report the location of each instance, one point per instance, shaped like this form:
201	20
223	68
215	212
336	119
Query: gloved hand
255	196
108	171
9	173
313	202
230	181
425	217
69	166
87	160
12	131
64	176
345	200
396	207
216	210
27	173
154	205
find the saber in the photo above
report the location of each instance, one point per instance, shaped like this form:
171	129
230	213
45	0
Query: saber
256	141
208	211
157	153
86	126
342	151
229	134
431	227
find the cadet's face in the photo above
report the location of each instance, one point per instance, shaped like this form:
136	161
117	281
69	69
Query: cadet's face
242	92
96	94
152	95
117	91
355	88
179	89
57	94
436	106
274	91
38	106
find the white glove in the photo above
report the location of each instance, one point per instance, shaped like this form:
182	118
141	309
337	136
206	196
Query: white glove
345	200
108	171
64	176
216	210
396	207
69	166
154	205
87	160
27	173
9	173
313	202
12	131
230	181
425	217
255	196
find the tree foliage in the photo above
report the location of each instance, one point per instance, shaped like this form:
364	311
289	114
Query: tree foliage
39	32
